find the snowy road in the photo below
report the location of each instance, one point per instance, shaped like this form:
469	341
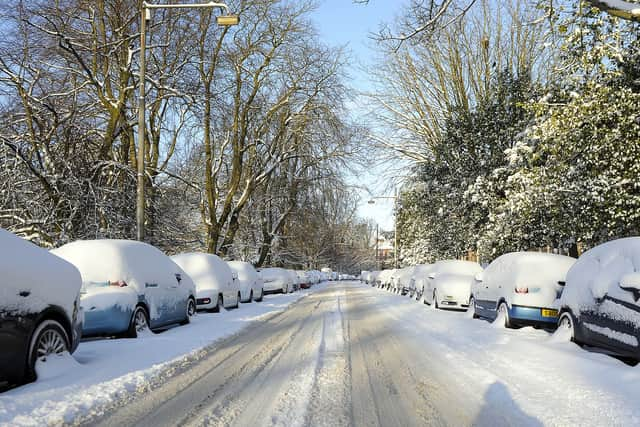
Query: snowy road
349	354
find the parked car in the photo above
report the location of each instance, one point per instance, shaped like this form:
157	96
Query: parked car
128	287
600	304
385	278
304	277
276	280
420	275
448	283
364	276
216	284
251	285
520	288
39	308
403	281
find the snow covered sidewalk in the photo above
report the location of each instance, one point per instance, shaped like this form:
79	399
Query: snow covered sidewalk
103	372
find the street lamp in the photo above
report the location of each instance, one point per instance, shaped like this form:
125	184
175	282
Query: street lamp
395	224
223	20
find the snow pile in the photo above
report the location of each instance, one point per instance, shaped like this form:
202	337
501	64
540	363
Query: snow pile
599	272
43	278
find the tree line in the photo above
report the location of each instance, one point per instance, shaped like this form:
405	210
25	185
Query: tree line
522	121
247	135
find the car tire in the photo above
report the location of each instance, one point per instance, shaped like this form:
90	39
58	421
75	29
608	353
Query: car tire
566	326
238	300
435	300
191	311
250	296
261	296
220	305
503	309
139	322
48	338
472	308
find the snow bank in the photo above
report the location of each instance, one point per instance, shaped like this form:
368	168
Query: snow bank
102	373
27	268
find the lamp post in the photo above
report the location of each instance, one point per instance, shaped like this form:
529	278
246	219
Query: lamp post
223	20
395	224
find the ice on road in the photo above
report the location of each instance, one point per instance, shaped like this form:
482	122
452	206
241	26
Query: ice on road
350	354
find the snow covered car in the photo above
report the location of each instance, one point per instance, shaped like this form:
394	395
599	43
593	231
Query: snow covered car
364	276
386	279
521	288
600	304
128	286
295	279
276	280
216	284
420	276
251	285
448	283
404	280
304	278
39	308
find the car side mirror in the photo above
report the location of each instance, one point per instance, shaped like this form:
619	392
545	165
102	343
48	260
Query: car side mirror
432	275
561	282
179	277
479	277
631	283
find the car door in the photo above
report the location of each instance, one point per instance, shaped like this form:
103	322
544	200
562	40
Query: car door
487	288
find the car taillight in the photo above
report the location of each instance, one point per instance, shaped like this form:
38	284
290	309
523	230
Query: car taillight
522	290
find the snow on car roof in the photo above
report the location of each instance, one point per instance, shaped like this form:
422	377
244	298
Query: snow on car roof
599	271
207	271
454	266
136	263
26	267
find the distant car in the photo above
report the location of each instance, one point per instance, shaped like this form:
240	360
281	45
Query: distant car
128	286
276	280
251	285
39	308
521	288
304	277
420	275
217	285
295	279
364	276
403	280
448	283
600	304
385	278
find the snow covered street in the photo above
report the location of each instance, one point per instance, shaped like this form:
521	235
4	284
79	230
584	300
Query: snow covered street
345	354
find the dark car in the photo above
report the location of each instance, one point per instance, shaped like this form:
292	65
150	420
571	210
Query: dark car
600	304
39	308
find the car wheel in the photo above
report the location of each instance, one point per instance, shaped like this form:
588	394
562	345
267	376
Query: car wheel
139	322
250	296
472	308
566	328
191	311
435	300
503	311
261	296
220	305
238	300
48	338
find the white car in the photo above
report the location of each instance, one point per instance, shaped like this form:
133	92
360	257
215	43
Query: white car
448	283
276	280
385	278
521	288
216	285
251	285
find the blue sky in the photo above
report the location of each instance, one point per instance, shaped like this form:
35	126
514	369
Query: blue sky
344	23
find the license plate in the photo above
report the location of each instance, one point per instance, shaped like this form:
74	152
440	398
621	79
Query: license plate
549	313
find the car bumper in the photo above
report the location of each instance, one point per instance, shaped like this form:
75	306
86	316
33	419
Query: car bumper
533	315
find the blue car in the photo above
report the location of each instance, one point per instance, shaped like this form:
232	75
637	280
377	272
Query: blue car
128	287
